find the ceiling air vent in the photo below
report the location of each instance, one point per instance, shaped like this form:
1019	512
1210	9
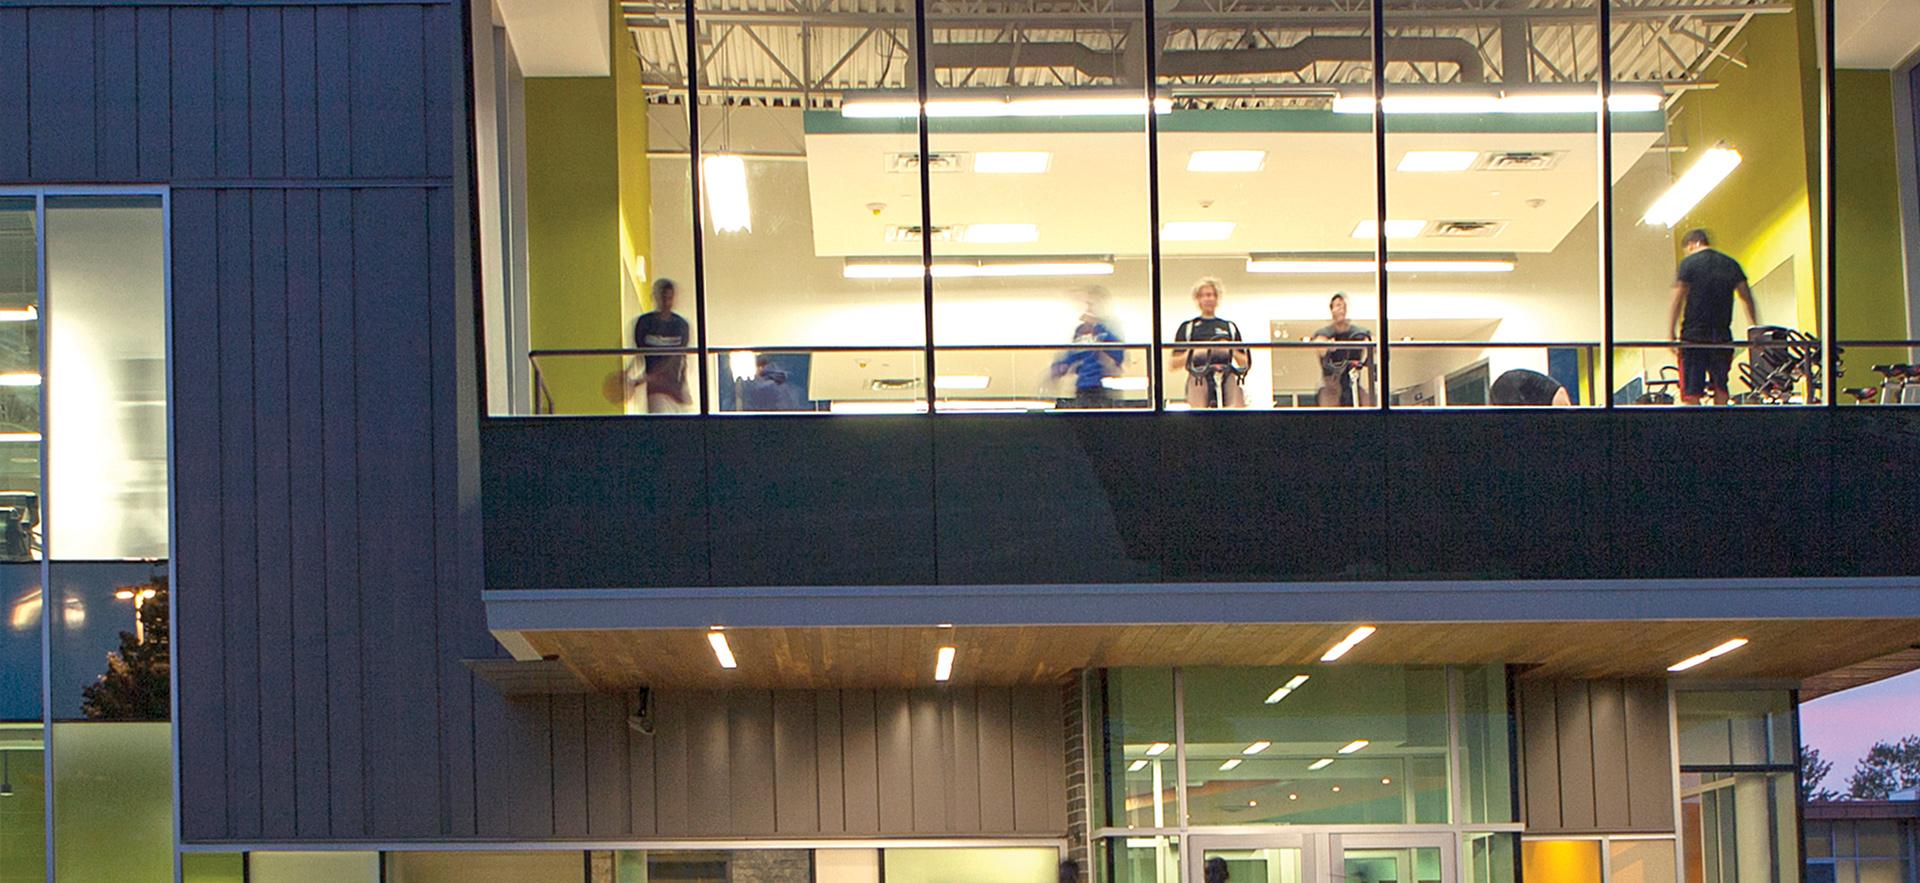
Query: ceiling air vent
910	162
1522	160
896	233
1466	229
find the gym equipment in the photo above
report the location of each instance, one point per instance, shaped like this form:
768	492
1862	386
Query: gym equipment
1215	371
1663	394
1778	358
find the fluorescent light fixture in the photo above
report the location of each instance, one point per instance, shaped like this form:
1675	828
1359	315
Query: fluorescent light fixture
20	378
1321	764
1226	160
1230	764
979	268
1535	100
23	314
724	177
1256	747
1347	643
721	649
943	664
1012	162
1432	102
1137	765
1196	231
1157	749
1699	180
1636	102
1396	229
879	107
1353	746
961	381
742	364
1001	234
1125	384
1437	160
1720	650
1361	264
19	437
894	407
1003	406
1286	689
1294	682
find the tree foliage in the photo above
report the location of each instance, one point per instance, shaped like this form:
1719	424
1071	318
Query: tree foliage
1813	772
135	687
1887	767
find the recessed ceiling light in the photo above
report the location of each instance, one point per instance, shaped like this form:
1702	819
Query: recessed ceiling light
1353	746
1336	789
1293	797
1386	781
1347	643
875	268
1012	162
721	649
1396	229
1257	747
1321	764
1230	764
1196	231
943	664
1001	234
1226	160
1157	749
1720	650
1137	765
1437	160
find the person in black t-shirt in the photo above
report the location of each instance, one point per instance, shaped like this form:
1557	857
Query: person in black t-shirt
1213	373
1340	368
1703	293
665	376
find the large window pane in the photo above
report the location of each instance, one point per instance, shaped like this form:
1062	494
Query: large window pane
1136	741
1737	157
106	397
812	202
1493	204
1486	745
1563	861
20	602
485	867
1346	745
1264	182
1735	727
1876	234
964	865
1490	858
110	650
313	867
20	428
1641	861
1143	860
113	802
1738	826
23	825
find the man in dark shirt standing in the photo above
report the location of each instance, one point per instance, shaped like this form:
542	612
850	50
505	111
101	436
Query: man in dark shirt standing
665	376
1340	369
1703	294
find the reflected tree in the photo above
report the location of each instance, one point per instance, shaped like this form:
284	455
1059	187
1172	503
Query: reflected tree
135	685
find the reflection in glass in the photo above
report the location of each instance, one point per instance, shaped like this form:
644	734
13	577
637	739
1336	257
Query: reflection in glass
1735	154
20	603
20	534
111	649
1145	859
1738	826
1486	745
1490	858
1273	865
1138	749
1420	864
1641	861
1735	727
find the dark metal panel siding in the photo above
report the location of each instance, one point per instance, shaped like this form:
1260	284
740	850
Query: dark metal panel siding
827	739
1540	751
300	91
233	135
266	94
154	30
307	560
569	741
117	117
389	103
963	785
61	105
1610	781
641	779
893	750
192	77
238	513
608	814
529	767
1039	762
996	760
670	766
932	762
860	762
337	397
273	506
1596	756
1650	782
708	756
750	762
1575	727
796	763
14	97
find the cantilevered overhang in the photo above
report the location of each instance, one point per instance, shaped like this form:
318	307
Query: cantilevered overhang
888	635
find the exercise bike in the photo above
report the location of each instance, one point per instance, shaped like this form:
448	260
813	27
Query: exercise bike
1899	385
1222	378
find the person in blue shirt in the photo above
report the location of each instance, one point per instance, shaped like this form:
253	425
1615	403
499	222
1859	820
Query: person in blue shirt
1091	367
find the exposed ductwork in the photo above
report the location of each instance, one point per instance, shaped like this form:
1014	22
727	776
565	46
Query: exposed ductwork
1184	63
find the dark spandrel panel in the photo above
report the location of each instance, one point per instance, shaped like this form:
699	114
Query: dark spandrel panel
1044	500
594	504
1872	497
110	650
1272	497
1498	496
20	603
819	501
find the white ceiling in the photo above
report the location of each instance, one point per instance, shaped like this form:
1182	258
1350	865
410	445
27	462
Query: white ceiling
1314	188
1875	34
559	38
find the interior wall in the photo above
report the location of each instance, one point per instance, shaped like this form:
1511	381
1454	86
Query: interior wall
1872	287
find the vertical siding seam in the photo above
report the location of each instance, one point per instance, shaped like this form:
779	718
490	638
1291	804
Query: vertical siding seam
359	527
219	477
1593	753
553	775
286	371
26	42
434	513
326	605
247	65
99	106
253	403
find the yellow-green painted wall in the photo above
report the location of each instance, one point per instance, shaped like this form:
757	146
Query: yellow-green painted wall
1769	111
1871	283
587	230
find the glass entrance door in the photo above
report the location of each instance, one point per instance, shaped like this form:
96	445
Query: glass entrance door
1391	858
1251	858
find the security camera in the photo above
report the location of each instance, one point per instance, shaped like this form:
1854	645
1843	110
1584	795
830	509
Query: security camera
641	718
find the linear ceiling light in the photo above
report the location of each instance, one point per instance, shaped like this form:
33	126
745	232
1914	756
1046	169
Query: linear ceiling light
1524	101
1230	764
903	406
1360	264
1437	160
1353	746
1720	650
1699	180
724	177
960	269
1321	764
1012	162
1396	229
1347	643
20	378
19	437
20	314
890	107
1137	765
1196	231
1257	747
1437	102
1226	160
961	381
943	664
1124	383
721	649
1157	749
1285	689
1001	234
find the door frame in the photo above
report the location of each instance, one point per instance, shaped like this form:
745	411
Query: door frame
1335	871
1193	851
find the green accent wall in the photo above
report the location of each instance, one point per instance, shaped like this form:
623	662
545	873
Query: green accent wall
1762	214
1871	283
213	867
587	228
23	827
113	802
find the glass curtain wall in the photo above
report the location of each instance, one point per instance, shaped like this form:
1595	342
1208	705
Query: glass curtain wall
1739	818
920	205
85	787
